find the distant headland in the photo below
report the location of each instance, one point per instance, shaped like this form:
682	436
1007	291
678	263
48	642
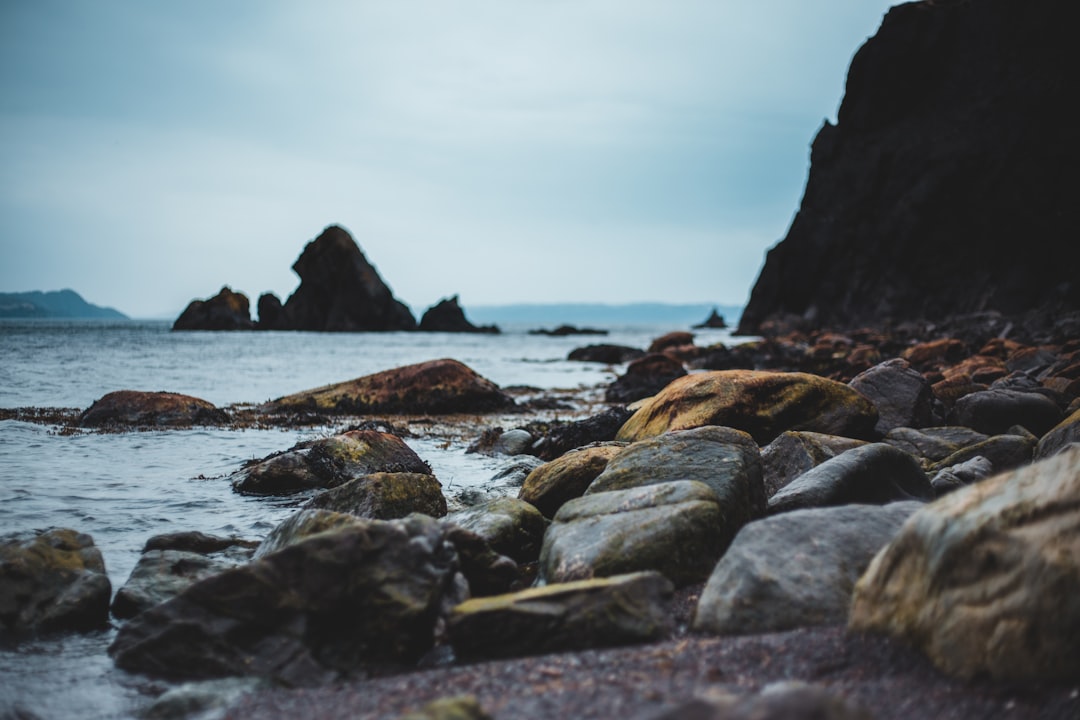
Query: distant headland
53	304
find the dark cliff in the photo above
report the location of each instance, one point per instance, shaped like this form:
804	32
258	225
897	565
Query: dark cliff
948	184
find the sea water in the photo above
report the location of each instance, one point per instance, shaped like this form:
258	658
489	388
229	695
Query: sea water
122	488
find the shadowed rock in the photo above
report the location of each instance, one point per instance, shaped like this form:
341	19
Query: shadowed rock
447	316
227	310
384	496
549	486
644	377
436	386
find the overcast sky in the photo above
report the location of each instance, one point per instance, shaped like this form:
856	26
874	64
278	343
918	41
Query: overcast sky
542	151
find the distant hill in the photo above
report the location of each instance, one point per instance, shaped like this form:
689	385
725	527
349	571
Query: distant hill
600	314
54	304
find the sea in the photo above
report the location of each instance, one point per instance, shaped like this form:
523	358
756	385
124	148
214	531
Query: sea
122	488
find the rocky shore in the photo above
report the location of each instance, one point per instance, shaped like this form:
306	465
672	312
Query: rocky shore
898	542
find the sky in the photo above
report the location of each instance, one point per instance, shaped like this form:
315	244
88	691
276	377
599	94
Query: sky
523	151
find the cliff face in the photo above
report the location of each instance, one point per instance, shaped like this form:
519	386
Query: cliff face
341	291
949	182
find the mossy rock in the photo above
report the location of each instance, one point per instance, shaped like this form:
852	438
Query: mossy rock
384	496
567	477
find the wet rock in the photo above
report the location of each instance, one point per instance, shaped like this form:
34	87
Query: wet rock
496	441
151	409
340	291
510	526
485	571
335	604
1004	452
506	482
205	700
795	570
644	377
384	496
793	453
601	427
957	476
726	460
549	486
984	580
447	316
607	354
1067	431
436	386
761	403
302	525
620	610
873	474
52	580
901	395
171	563
677	528
933	444
994	411
328	463
227	310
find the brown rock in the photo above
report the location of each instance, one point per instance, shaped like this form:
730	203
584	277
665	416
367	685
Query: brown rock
436	386
644	377
138	408
565	478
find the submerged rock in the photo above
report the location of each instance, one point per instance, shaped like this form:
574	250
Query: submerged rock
985	580
436	386
52	580
151	409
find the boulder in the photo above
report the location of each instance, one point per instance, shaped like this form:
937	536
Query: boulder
644	377
384	496
945	146
227	310
676	528
1066	432
726	460
1004	452
436	386
994	411
793	453
671	341
795	570
52	580
873	474
363	597
620	610
957	476
511	527
549	486
607	354
933	444
985	580
341	291
151	409
447	316
901	395
328	463
171	563
496	441
302	525
761	403
562	438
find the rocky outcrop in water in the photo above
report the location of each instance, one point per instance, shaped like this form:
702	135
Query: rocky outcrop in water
946	185
227	310
447	316
136	408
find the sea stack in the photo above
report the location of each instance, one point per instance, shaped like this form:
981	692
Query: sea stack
946	185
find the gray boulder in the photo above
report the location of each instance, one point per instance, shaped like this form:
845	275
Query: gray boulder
618	610
1004	452
301	525
901	395
363	597
994	411
52	580
934	444
725	459
510	526
794	452
957	476
677	528
872	474
1065	432
796	569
